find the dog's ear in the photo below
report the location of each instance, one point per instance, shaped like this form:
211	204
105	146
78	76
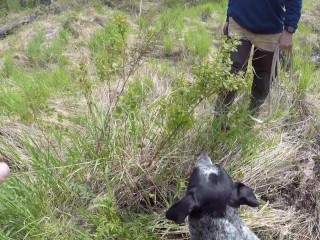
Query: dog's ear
243	195
181	209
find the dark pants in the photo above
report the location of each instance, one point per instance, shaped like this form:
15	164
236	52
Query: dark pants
261	63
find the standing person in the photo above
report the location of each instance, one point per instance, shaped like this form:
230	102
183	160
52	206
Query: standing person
264	24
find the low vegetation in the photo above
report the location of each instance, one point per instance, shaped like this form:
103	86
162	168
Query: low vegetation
104	108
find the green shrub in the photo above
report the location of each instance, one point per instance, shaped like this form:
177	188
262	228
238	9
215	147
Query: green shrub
108	47
211	77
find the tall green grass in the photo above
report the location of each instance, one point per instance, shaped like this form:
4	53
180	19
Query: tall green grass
25	93
191	24
198	41
60	196
42	52
14	5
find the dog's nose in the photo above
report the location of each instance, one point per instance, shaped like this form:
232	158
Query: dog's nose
203	160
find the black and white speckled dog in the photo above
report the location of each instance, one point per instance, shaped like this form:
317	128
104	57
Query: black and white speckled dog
211	203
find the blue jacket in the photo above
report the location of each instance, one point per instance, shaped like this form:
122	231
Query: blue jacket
265	16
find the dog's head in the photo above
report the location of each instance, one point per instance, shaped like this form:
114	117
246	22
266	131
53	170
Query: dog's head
210	190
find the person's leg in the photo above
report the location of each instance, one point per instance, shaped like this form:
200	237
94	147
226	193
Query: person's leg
261	63
239	60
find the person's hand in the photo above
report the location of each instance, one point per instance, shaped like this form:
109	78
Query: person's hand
225	28
4	172
286	42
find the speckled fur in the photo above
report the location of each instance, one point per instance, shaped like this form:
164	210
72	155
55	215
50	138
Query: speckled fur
228	228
